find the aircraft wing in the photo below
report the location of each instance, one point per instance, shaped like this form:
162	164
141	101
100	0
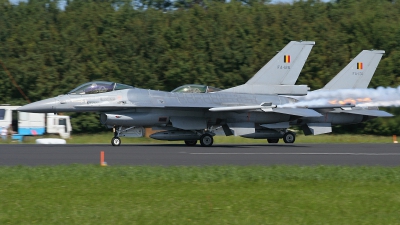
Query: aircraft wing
351	109
302	112
365	112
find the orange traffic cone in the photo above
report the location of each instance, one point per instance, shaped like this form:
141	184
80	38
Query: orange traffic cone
102	163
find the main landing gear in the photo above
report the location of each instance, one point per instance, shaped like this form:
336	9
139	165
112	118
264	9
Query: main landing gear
206	140
289	137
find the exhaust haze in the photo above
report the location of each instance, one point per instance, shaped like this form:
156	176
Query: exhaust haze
360	97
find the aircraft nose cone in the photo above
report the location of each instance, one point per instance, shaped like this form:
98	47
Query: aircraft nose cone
44	106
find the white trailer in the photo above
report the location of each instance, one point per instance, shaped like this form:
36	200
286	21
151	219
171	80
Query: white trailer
32	124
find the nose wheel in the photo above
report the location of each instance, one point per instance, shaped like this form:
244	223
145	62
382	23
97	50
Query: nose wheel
116	141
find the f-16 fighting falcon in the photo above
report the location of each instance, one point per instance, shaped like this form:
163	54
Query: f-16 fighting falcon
189	116
356	75
252	110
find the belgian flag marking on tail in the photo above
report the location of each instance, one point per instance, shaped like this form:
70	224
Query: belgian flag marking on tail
286	58
360	66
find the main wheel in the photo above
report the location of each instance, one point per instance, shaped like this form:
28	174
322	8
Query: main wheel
191	142
206	140
289	137
116	141
273	140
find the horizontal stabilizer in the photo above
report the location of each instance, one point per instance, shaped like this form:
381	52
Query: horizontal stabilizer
365	112
297	112
317	128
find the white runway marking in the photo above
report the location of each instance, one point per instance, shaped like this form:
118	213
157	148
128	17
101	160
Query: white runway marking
297	153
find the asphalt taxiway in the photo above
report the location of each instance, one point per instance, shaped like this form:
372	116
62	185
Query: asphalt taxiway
179	154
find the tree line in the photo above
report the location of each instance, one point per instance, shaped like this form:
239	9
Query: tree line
162	44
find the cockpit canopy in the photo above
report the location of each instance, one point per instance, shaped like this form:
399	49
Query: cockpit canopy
195	88
95	87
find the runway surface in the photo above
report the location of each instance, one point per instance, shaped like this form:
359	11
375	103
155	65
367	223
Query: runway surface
276	154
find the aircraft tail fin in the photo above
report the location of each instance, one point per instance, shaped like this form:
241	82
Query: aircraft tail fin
285	67
280	74
358	73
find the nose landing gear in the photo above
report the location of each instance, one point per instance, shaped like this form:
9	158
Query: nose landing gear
116	141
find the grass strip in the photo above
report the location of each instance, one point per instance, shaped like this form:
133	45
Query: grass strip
89	194
201	174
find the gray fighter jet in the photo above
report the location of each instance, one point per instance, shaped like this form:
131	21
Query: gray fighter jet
193	116
184	116
356	75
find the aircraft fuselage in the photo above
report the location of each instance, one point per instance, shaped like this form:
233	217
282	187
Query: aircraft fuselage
140	107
